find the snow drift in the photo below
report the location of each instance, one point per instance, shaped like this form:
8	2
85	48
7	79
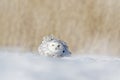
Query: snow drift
29	66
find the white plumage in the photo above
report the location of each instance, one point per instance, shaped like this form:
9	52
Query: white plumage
53	47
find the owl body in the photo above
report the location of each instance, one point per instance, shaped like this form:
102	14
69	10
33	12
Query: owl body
53	47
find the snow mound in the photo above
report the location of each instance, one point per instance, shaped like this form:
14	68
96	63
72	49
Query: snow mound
29	66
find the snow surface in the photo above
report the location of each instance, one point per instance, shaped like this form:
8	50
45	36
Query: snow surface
29	66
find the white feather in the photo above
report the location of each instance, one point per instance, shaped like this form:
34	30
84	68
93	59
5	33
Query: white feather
53	47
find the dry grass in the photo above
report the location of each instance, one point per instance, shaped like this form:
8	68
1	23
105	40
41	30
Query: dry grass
92	25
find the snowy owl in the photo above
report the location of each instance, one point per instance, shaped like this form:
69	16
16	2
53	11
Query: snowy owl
53	47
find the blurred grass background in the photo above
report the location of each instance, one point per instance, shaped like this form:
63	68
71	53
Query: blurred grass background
91	26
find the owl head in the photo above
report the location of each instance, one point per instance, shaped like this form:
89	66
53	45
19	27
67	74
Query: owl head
53	47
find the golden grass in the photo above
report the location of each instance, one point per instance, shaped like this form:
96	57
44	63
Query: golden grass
92	25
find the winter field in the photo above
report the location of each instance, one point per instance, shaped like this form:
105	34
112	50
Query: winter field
91	29
16	65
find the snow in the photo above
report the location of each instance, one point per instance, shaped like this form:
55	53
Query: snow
28	66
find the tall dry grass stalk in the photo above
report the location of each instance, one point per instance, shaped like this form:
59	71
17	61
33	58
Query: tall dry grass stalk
91	26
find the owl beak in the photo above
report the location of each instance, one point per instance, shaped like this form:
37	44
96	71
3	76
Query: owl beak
56	48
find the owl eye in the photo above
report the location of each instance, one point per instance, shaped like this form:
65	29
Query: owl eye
58	45
51	39
53	45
